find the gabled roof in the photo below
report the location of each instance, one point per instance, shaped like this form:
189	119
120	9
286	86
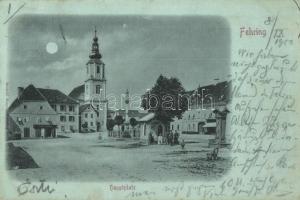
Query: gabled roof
85	106
31	93
56	96
76	92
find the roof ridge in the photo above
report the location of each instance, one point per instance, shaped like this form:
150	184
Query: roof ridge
41	93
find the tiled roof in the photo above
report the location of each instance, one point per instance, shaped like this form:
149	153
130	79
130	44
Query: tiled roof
220	91
56	96
31	93
76	92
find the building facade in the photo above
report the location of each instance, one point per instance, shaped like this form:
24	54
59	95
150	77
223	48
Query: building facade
89	117
203	116
33	111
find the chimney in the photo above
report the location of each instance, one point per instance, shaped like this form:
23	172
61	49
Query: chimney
20	91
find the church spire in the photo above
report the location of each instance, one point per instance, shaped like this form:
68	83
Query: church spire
95	48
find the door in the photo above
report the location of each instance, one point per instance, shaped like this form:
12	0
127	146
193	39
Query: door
159	130
48	132
98	126
37	132
200	128
26	132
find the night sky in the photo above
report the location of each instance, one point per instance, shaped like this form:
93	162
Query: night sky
135	49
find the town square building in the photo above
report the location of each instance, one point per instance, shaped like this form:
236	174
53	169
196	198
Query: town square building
41	112
206	106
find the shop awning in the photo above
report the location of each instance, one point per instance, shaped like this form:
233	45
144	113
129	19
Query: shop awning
210	125
48	124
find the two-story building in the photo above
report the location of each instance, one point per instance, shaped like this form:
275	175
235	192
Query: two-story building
88	117
204	103
35	112
66	108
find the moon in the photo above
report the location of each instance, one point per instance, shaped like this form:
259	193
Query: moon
51	47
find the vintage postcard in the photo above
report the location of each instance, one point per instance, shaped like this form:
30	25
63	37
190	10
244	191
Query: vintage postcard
150	99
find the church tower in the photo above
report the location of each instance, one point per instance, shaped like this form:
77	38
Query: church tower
95	83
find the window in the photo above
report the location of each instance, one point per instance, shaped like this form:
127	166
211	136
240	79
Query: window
39	120
41	107
98	69
86	115
71	108
92	115
92	123
98	88
25	106
172	127
19	119
194	127
62	108
62	118
71	118
177	126
189	128
53	107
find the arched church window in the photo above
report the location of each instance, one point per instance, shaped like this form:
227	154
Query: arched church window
98	88
98	69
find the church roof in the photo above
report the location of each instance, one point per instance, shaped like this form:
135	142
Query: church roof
76	92
31	93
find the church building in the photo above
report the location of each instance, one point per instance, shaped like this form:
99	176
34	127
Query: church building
92	94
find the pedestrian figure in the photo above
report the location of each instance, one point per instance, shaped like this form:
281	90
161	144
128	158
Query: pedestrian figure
171	139
182	144
176	136
150	138
159	139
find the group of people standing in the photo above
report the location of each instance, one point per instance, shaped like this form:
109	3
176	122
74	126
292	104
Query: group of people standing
171	139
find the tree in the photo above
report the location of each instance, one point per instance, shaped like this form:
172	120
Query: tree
110	125
119	120
133	122
167	99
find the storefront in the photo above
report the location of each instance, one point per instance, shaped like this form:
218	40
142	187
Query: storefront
45	130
